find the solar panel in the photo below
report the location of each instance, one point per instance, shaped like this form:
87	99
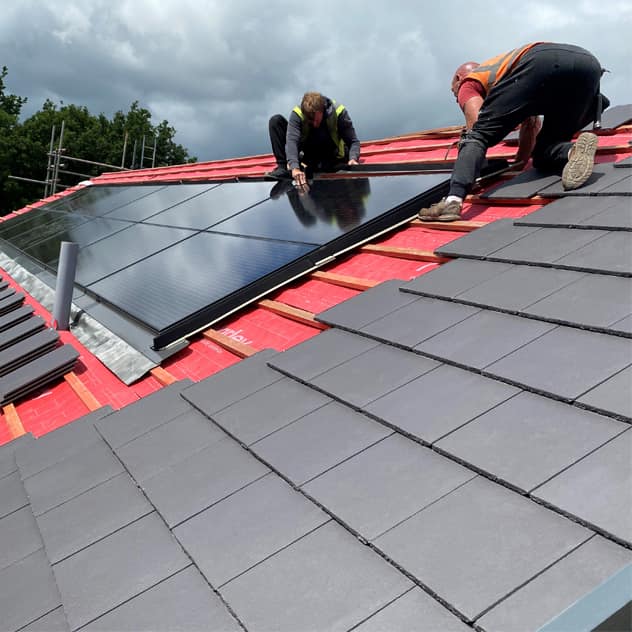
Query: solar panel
176	258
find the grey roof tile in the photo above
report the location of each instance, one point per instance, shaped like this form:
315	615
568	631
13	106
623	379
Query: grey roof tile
373	374
56	446
407	613
483	338
54	621
116	569
318	441
604	180
183	602
260	414
611	254
7	454
479	543
19	536
614	116
613	396
325	581
410	325
558	587
617	216
91	516
624	325
595	300
547	245
520	286
428	407
597	489
321	353
525	185
626	162
528	439
168	444
367	306
200	481
484	241
144	415
233	383
71	477
565	362
247	527
386	484
12	494
27	591
456	276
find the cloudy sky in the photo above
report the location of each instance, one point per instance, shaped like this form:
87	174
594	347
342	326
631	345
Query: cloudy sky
217	69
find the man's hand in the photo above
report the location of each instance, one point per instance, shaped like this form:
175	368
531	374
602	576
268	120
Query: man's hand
299	177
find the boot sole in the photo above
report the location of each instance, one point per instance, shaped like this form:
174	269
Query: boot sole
580	165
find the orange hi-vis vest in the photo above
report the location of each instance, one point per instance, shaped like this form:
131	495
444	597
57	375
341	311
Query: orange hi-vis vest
490	72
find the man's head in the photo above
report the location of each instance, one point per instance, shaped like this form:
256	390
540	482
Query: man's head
460	73
313	107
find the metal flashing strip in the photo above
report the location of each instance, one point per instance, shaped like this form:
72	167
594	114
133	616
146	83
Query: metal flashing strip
589	612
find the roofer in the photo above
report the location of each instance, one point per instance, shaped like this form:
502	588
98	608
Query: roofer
319	135
558	81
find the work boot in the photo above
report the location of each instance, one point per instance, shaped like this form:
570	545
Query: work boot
580	163
441	212
278	174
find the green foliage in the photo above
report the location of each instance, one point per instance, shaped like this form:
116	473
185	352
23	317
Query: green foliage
24	147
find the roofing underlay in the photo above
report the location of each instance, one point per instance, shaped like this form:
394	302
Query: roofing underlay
432	432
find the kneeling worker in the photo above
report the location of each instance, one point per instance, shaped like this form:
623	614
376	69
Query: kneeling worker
319	134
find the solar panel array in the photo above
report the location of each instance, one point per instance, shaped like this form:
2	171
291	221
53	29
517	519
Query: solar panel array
175	258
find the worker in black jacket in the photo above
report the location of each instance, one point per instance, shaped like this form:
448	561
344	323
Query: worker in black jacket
319	135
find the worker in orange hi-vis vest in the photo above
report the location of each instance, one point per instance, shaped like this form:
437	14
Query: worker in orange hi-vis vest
559	82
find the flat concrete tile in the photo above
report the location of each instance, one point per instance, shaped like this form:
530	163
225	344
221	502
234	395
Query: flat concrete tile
525	185
54	621
233	383
368	306
624	325
612	254
408	611
144	415
325	581
534	283
595	300
242	530
626	162
567	212
547	245
483	338
118	568
454	277
479	543
373	374
617	216
7	453
183	602
597	489
483	241
12	494
203	479
168	444
320	353
603	179
19	536
612	396
420	320
269	409
27	591
386	484
91	516
558	588
58	445
565	362
71	477
614	116
319	441
529	439
437	403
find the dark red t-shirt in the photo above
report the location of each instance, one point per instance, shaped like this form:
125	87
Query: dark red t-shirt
469	88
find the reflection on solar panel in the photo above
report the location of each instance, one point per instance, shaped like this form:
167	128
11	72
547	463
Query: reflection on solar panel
176	258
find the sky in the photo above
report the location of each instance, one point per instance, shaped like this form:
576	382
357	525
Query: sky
216	70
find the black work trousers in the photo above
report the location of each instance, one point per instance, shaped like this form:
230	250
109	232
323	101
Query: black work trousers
558	81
